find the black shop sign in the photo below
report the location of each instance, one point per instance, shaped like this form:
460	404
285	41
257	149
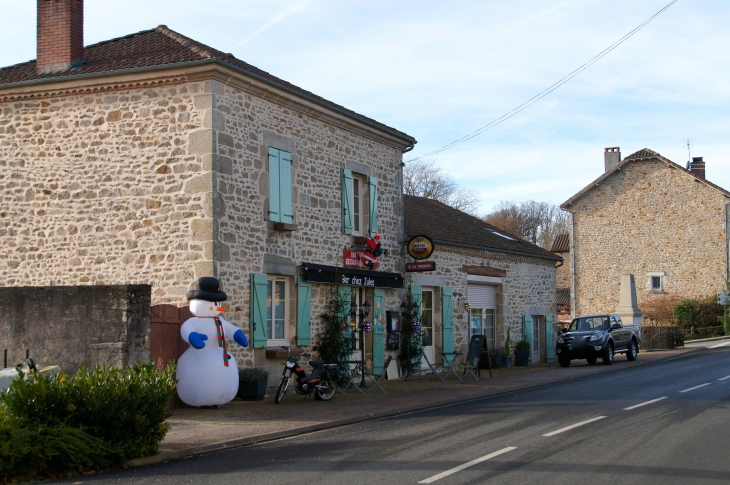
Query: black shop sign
319	273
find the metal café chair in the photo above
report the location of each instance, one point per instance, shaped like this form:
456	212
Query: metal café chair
376	378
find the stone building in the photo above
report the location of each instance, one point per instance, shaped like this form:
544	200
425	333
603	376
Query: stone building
563	277
155	159
493	281
648	216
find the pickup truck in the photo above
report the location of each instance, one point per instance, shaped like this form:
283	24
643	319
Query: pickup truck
597	336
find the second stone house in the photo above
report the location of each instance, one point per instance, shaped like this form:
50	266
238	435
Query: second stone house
493	281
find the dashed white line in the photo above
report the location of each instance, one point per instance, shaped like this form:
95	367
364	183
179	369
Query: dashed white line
719	345
644	403
697	387
574	426
728	377
467	465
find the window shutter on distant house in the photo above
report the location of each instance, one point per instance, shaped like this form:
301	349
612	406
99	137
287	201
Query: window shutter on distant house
347	201
373	200
259	285
447	326
304	310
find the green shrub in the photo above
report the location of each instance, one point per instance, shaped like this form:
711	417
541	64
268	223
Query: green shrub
697	313
523	345
498	352
39	451
126	407
335	338
253	374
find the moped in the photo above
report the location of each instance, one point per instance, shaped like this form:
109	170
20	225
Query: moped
322	382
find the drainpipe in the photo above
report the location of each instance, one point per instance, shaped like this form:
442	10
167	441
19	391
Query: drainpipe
574	293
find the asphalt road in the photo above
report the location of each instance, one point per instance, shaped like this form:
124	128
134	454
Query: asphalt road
663	423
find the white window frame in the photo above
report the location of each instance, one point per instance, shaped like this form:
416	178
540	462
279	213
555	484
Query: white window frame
656	274
360	204
271	280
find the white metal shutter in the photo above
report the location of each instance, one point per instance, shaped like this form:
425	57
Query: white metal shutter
482	296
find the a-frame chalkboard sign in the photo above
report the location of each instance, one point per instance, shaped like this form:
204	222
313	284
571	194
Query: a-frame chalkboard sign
477	349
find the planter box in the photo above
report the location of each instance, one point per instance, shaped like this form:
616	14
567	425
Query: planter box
496	361
251	391
522	358
507	362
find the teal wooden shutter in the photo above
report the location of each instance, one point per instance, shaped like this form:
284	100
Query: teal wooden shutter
285	188
447	319
378	330
373	202
527	332
259	283
347	201
274	184
304	310
549	346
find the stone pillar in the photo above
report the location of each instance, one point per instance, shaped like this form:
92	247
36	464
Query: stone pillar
628	309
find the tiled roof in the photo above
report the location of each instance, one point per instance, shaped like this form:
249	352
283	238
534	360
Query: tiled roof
160	48
643	154
449	226
561	244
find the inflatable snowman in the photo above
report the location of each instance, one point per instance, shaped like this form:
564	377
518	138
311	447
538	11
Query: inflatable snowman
206	373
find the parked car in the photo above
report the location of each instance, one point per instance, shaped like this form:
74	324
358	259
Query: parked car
597	336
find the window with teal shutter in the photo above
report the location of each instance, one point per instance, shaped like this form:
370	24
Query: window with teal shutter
447	326
257	329
373	202
304	310
347	201
280	189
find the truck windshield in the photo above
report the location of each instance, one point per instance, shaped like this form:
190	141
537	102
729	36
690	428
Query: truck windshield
589	324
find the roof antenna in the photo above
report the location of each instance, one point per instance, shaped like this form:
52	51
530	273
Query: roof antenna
689	155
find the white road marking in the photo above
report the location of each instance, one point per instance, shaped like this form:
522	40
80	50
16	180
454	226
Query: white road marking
467	465
574	426
644	403
728	377
697	387
719	345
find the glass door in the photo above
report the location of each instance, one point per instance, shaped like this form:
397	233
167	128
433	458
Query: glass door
481	322
536	340
427	324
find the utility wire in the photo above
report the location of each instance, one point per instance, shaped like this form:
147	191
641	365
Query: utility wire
548	90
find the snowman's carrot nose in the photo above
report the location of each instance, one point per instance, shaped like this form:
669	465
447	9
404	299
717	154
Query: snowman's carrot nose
220	309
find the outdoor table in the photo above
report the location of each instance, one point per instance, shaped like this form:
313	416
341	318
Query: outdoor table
359	366
448	359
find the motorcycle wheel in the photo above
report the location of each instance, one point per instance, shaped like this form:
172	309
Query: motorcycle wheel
282	390
326	392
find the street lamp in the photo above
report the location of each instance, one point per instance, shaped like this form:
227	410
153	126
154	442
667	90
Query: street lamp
363	313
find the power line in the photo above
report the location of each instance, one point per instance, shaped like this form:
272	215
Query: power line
547	90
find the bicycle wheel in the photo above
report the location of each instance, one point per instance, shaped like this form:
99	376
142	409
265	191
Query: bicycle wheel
282	389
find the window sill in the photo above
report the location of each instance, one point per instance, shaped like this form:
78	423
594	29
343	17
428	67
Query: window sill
283	354
282	226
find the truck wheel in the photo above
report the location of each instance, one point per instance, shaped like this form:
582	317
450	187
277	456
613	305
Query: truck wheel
592	360
608	354
632	352
564	362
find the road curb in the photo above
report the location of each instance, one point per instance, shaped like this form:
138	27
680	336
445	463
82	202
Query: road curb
165	455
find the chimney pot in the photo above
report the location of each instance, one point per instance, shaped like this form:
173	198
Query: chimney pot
697	167
60	35
611	157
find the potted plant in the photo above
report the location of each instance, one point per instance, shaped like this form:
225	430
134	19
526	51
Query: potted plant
496	356
252	383
522	353
507	359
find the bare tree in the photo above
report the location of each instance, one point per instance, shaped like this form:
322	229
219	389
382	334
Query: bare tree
537	222
423	178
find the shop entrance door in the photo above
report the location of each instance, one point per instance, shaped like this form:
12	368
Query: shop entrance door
427	324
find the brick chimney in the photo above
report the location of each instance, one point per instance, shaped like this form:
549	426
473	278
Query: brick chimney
60	35
697	167
611	157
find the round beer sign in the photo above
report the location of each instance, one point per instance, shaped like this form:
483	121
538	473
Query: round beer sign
420	247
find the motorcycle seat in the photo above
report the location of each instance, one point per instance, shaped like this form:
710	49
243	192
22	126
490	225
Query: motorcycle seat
316	363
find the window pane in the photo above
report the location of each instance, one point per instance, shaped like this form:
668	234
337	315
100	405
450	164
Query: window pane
280	301
356	204
268	309
476	322
489	327
427	317
656	283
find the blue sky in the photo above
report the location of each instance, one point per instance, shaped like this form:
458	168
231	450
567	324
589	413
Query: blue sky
439	70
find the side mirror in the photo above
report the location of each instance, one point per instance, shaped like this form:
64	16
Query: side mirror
563	330
615	326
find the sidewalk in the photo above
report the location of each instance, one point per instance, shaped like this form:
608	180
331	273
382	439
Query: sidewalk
195	431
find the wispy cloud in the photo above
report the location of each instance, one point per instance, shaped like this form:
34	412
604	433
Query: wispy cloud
291	10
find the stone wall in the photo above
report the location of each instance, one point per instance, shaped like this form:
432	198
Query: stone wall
70	326
528	288
648	217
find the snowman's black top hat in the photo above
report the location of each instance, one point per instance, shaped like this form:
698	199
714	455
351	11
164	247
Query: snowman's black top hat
208	290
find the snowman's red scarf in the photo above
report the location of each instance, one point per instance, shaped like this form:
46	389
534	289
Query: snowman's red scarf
222	340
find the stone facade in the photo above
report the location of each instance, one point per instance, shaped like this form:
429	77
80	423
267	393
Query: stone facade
161	178
650	217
